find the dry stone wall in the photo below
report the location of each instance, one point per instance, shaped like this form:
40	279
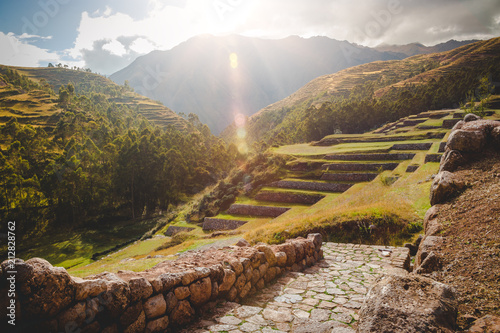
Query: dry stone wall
269	211
169	295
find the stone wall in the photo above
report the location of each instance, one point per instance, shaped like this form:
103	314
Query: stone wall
349	177
359	166
312	186
210	223
370	157
251	210
287	197
167	296
412	146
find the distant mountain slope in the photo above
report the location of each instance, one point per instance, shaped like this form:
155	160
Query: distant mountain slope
197	76
56	77
412	49
379	77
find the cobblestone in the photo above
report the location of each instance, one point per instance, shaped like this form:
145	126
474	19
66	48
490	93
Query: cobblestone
325	297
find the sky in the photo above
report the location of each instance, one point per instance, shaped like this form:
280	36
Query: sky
107	35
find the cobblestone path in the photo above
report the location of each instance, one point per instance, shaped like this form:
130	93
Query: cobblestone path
323	298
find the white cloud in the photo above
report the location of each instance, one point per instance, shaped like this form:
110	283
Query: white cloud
17	52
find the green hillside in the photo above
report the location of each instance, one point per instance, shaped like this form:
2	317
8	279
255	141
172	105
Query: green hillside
370	188
364	97
38	107
84	170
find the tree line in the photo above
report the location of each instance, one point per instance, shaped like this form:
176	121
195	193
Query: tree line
102	161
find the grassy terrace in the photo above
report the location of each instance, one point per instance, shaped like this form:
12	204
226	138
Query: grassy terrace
393	199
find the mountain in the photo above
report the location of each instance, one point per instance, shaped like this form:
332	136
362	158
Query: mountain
197	77
37	107
412	49
395	88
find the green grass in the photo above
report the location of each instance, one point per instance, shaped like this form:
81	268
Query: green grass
75	248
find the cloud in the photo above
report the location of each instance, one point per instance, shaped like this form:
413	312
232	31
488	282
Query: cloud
16	51
108	39
376	21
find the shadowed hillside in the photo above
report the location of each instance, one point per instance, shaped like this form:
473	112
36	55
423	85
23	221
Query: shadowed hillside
364	97
197	76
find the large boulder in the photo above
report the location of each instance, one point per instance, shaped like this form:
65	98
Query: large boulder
408	303
444	187
52	289
451	160
468	141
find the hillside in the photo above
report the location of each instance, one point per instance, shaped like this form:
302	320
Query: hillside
197	77
382	90
38	108
85	170
412	49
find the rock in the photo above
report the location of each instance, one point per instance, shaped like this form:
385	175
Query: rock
485	126
52	289
116	297
458	125
430	264
236	266
72	317
182	314
413	248
228	281
201	291
138	326
268	252
469	141
495	136
88	288
24	273
444	187
431	223
182	292
408	303
215	291
140	289
131	314
240	282
155	306
158	325
245	290
281	258
317	240
426	247
165	282
451	160
242	243
281	316
299	250
486	324
471	117
289	250
171	301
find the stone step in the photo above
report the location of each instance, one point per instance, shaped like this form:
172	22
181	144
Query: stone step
172	230
288	197
211	223
253	210
370	157
433	158
449	123
359	166
312	186
349	177
412	168
412	146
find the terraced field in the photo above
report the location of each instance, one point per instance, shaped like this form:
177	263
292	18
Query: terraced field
324	171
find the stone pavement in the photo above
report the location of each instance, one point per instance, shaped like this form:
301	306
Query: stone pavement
323	298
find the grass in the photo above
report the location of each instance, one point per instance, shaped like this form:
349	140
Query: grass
75	248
